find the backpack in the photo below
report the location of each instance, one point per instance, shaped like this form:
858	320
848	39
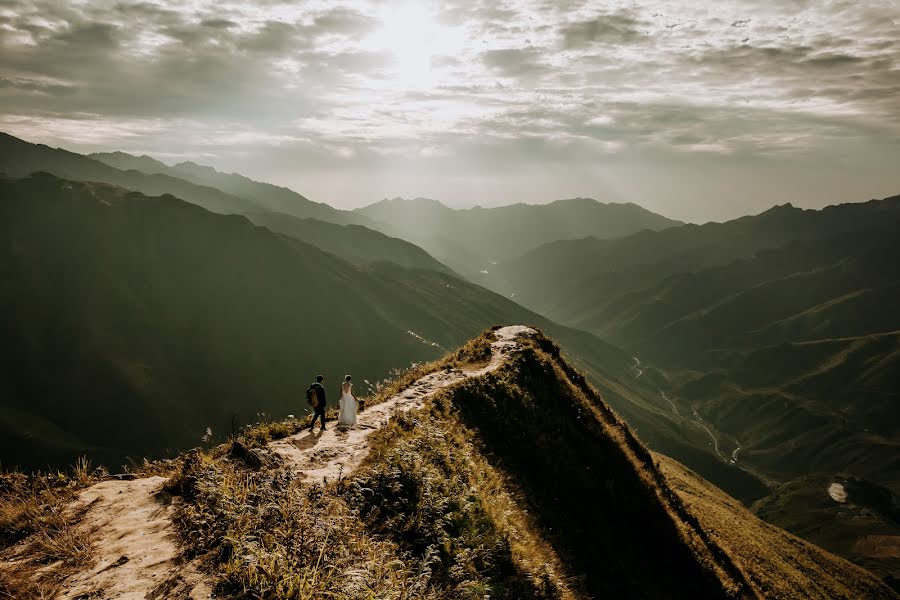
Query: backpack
312	397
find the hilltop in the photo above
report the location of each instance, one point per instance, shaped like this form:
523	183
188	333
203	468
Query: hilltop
459	483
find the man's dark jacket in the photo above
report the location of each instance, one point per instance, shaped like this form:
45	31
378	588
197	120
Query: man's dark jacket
320	394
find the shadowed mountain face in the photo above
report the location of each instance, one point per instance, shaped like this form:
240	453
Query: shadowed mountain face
279	209
473	240
19	158
355	243
776	335
131	323
265	195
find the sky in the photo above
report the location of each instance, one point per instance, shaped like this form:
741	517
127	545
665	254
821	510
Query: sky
697	110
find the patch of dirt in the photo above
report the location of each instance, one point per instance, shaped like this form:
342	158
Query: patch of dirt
136	554
331	454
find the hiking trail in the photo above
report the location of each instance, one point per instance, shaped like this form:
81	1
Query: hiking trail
135	543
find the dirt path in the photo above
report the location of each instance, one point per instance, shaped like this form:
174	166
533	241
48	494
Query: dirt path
328	455
137	556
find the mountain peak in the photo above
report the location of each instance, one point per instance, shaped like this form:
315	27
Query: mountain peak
192	167
398	202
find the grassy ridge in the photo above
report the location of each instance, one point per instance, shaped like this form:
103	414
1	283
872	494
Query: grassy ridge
779	564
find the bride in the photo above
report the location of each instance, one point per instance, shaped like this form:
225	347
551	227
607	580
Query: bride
347	414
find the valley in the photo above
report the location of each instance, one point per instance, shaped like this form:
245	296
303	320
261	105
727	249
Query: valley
758	352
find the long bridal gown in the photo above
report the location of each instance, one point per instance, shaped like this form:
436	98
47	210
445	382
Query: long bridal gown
347	414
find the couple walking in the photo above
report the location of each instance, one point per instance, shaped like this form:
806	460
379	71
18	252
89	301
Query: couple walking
315	395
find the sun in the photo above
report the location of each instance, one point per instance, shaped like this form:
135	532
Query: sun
411	36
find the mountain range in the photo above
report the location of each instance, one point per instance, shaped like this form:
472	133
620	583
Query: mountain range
159	318
776	333
761	352
471	241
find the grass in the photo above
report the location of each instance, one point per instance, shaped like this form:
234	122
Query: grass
485	492
427	487
266	534
589	482
40	543
521	483
779	564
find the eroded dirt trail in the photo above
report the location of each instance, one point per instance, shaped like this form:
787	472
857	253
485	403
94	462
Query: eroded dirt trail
137	555
328	455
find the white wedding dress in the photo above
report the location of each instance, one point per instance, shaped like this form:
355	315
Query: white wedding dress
347	414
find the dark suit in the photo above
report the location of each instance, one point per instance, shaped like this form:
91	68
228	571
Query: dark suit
319	411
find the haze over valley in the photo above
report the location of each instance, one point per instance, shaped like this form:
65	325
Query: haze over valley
604	298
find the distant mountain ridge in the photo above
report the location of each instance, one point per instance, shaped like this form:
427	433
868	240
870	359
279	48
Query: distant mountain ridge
158	318
270	197
472	240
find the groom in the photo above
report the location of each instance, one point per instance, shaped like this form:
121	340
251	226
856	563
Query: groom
319	408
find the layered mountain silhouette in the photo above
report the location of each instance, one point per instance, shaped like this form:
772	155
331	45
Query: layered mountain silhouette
278	208
271	198
132	323
761	352
471	241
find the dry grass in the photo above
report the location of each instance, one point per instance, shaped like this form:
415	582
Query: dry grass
40	543
474	354
428	487
761	549
453	532
267	535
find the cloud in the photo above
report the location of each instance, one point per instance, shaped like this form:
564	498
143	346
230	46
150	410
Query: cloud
620	27
515	62
508	81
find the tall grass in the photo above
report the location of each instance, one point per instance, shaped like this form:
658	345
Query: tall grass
40	541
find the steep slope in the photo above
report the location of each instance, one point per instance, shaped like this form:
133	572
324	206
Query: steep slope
459	483
131	324
19	158
782	565
265	195
355	243
774	336
473	240
851	517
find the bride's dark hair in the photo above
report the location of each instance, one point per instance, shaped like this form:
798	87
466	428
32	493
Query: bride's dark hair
347	378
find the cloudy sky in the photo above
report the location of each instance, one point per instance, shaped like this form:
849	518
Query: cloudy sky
698	110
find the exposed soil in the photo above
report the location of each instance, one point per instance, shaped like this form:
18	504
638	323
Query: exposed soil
137	556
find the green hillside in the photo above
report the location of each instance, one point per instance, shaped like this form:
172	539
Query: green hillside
472	241
133	323
862	525
606	271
